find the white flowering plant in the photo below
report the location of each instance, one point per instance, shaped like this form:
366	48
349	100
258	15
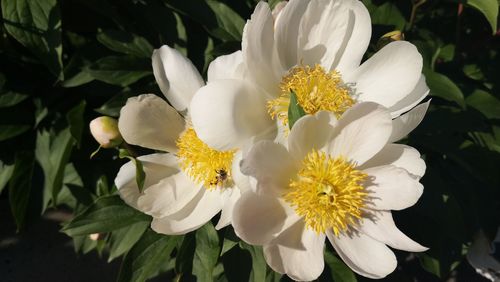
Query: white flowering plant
211	140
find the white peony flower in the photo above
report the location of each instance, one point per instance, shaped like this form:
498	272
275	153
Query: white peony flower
338	179
313	48
190	184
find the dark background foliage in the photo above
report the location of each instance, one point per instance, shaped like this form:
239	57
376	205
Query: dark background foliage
63	63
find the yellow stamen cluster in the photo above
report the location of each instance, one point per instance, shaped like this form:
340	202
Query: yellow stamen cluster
328	193
315	89
203	164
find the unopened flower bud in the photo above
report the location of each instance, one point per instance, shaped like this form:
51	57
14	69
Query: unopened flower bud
105	132
389	37
95	236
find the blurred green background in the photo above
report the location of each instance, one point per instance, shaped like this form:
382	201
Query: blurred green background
63	63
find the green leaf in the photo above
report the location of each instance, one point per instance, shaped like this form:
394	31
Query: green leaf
441	86
125	238
430	264
140	175
385	14
259	266
484	102
11	131
11	98
207	253
218	18
230	24
5	174
489	8
147	257
473	71
20	187
78	79
185	254
339	271
37	26
295	111
113	106
76	122
120	70
104	215
52	153
126	43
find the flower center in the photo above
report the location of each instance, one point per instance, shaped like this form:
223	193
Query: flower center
315	89
328	193
203	164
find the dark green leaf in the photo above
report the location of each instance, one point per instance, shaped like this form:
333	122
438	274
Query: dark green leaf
140	175
473	71
259	266
229	21
52	153
121	71
126	43
185	255
339	271
147	257
207	253
430	264
75	121
489	8
104	215
36	25
20	187
125	238
295	111
113	106
78	79
10	99
5	174
11	131
484	102
441	86
386	14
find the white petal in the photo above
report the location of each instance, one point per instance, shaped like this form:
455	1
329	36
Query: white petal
226	67
361	132
364	255
310	132
405	124
225	113
392	188
271	165
241	181
149	122
299	264
258	218
156	167
356	40
287	30
169	195
382	228
196	213
176	76
418	93
389	75
230	196
324	31
398	155
258	49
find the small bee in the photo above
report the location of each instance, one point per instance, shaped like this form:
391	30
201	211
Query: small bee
220	177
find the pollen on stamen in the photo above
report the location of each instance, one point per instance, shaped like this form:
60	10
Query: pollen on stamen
328	193
203	164
315	89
